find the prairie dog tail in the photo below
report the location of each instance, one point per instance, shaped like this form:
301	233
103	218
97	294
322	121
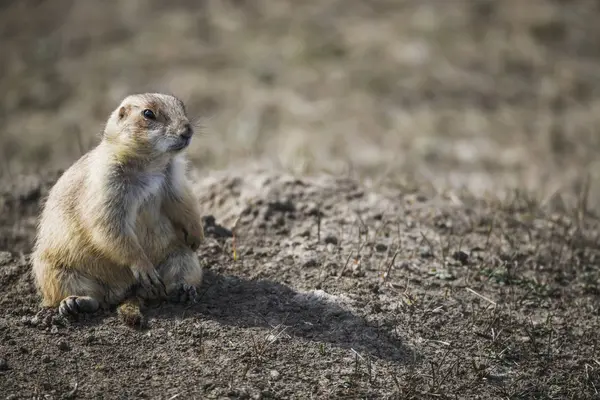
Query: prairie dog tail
130	311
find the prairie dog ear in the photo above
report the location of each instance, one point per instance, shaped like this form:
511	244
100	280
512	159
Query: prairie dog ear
123	111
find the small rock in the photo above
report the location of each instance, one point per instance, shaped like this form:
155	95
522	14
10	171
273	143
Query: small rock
46	358
47	320
332	266
54	330
425	252
330	239
35	321
3	364
305	233
211	228
376	308
208	220
281	206
380	247
26	321
274	374
58	320
461	256
310	263
357	270
279	221
444	275
63	346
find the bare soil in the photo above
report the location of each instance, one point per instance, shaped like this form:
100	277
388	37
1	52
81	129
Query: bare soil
331	290
400	197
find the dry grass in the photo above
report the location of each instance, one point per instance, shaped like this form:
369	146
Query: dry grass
485	95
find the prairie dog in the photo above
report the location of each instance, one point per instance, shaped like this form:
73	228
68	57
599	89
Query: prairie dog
121	224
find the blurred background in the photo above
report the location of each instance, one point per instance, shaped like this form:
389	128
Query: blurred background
487	95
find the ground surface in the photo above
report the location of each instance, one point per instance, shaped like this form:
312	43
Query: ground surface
412	186
334	291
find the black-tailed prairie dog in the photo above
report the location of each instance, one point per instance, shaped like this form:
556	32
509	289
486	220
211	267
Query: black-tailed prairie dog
121	224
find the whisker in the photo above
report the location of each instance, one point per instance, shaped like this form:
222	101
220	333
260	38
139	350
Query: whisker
200	124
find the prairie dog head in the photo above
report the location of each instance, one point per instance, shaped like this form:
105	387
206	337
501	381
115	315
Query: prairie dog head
150	124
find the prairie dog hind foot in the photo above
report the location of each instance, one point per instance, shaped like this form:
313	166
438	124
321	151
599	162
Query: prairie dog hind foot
73	306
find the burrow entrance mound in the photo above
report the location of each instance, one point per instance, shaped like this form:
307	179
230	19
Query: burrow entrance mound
314	283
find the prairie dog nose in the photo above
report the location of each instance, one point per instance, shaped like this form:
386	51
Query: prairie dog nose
187	131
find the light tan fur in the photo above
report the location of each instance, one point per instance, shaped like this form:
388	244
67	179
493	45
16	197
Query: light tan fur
122	220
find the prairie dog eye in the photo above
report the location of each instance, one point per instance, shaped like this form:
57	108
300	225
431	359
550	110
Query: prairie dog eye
149	114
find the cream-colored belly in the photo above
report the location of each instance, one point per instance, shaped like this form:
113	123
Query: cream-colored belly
154	230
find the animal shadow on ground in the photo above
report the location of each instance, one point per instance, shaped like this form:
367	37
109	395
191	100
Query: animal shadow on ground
310	315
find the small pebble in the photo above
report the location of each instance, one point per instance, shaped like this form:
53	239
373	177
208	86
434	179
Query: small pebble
309	263
279	221
380	247
3	364
305	233
63	346
461	256
209	220
47	320
357	270
46	358
330	239
274	374
58	320
425	252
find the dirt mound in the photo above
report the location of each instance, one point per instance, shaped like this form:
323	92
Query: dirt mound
322	287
